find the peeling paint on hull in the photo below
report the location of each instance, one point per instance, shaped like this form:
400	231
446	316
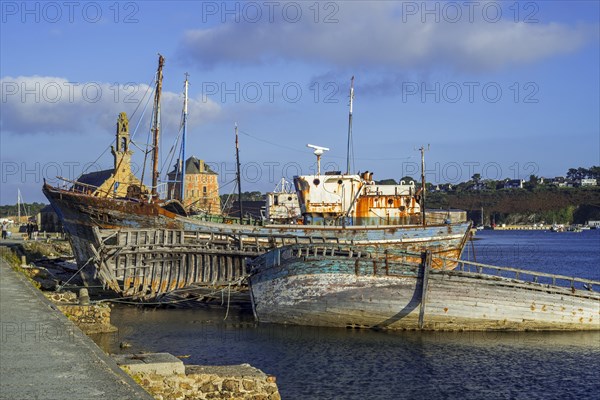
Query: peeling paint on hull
333	292
81	214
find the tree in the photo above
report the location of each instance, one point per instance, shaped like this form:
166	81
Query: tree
386	182
407	179
476	178
572	174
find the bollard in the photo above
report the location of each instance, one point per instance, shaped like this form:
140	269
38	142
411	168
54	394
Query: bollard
84	298
23	261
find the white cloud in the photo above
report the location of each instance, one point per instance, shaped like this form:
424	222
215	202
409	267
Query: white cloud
382	35
44	104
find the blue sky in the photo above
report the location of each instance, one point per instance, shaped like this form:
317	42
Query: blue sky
504	89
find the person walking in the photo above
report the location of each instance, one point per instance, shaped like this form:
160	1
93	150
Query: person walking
4	229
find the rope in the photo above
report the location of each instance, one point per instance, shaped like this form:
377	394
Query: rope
60	287
150	87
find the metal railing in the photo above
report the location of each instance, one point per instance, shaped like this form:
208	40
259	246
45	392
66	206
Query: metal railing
525	275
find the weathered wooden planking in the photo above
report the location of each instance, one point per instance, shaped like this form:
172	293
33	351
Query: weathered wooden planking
150	262
332	291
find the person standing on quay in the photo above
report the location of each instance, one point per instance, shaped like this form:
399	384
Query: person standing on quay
29	229
4	229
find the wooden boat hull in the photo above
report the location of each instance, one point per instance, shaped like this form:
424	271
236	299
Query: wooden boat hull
351	292
89	220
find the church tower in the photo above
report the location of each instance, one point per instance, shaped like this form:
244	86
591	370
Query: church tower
122	152
118	181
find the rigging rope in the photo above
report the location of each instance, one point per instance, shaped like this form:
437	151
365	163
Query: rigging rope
329	155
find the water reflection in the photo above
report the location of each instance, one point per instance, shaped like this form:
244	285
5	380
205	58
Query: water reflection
355	364
326	363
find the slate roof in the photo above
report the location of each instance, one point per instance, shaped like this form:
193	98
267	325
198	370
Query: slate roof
192	166
95	178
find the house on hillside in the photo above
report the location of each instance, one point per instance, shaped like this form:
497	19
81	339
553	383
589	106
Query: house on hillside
558	181
478	186
444	187
587	182
513	184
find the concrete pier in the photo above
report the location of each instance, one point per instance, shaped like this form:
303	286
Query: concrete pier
43	355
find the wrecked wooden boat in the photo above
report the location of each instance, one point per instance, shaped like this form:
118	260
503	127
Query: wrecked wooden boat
338	286
122	232
146	264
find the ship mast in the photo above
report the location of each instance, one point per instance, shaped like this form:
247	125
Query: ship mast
422	149
185	112
18	206
350	127
239	179
156	127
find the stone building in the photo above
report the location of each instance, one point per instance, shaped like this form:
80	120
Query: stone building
118	181
48	220
201	187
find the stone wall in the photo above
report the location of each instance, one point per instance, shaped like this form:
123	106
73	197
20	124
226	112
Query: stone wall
89	318
162	376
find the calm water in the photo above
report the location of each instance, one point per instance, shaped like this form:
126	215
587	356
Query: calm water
322	363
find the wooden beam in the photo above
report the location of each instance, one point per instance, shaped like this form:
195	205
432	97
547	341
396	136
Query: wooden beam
425	266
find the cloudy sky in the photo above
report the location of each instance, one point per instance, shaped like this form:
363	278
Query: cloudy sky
504	89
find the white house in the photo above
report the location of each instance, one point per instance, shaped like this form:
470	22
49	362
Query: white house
588	182
514	184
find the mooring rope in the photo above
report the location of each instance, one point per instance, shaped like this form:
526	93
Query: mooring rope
60	287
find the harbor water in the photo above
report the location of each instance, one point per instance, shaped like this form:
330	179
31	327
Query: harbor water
325	363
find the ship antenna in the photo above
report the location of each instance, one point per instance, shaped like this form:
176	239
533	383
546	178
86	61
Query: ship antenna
350	149
156	127
318	152
239	179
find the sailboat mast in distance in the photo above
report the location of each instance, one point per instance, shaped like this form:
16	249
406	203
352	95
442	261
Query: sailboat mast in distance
350	127
239	178
156	127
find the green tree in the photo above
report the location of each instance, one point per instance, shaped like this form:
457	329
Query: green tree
386	182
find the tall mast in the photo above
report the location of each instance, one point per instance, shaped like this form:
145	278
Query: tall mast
19	206
350	126
156	127
422	149
185	112
239	179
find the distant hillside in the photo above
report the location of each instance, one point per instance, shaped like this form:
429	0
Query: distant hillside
560	205
30	209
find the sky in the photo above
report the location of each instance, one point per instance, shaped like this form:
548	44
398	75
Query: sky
504	89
